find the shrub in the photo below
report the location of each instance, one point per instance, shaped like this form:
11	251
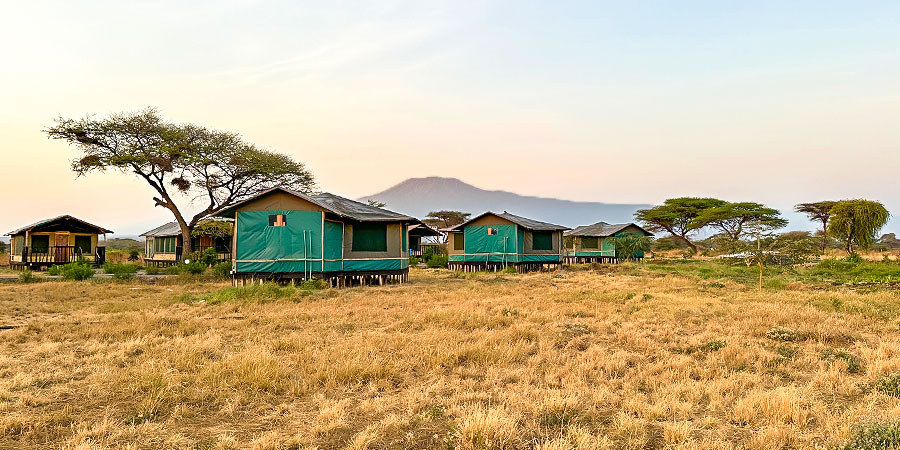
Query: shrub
437	262
193	267
854	364
510	269
207	257
782	334
77	271
172	270
876	436
222	269
27	276
889	385
54	271
124	271
413	261
134	255
854	258
152	270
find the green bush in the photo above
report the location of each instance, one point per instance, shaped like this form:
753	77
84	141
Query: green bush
27	276
152	270
172	270
134	255
222	269
854	363
876	436
889	385
78	271
853	259
413	260
510	269
125	271
437	261
193	267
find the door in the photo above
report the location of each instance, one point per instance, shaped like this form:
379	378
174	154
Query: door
61	254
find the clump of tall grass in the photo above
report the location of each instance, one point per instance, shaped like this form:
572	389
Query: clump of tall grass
876	436
266	292
889	384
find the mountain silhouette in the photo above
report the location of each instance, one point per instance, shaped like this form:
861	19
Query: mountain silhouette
418	196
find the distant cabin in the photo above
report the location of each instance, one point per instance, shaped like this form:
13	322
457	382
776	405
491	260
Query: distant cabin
493	241
417	247
286	235
59	240
163	245
592	243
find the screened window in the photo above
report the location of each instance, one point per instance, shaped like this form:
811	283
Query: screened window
459	241
40	243
83	245
165	244
369	237
277	220
590	242
543	240
19	242
492	231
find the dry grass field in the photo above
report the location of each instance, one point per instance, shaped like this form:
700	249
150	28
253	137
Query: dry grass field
620	357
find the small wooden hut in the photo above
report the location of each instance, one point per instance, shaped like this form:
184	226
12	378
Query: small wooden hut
286	235
416	245
493	241
592	243
59	240
163	245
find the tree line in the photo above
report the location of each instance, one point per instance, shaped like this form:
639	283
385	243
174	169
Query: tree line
855	223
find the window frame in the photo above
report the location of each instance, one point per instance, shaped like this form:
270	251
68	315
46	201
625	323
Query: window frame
534	240
358	245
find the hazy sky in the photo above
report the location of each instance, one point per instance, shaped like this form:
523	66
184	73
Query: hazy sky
601	101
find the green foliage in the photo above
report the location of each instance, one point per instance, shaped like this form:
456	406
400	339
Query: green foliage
853	258
222	269
265	292
445	219
630	246
152	270
376	203
27	276
510	269
193	267
798	246
437	261
4	247
413	261
733	219
874	436
854	363
818	211
78	271
708	347
123	244
889	384
212	228
857	222
207	257
677	216
134	255
121	271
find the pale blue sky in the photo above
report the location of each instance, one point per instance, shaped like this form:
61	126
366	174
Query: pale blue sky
604	101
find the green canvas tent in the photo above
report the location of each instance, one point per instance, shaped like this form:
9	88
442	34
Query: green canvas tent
493	241
282	234
592	243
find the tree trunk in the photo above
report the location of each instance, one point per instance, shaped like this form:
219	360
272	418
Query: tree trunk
690	244
186	244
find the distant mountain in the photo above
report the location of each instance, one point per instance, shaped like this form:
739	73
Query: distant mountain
418	196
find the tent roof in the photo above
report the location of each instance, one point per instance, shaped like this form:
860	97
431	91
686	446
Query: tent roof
335	204
423	230
173	229
603	229
60	219
523	222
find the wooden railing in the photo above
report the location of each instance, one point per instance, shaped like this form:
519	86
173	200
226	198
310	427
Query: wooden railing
61	254
418	251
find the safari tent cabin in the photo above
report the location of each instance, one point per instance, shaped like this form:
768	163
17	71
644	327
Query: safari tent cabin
59	240
163	245
494	241
286	235
592	243
417	237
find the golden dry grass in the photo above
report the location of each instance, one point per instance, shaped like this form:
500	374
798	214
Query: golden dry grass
575	360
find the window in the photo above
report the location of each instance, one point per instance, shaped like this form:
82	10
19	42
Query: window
277	220
369	237
459	241
165	244
590	242
542	240
40	243
83	245
492	231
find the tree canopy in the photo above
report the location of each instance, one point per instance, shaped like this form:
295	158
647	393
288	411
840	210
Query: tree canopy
445	219
734	220
857	222
678	217
818	211
213	168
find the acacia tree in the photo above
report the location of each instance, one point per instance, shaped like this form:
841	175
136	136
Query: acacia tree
733	219
213	168
445	219
678	217
857	222
818	211
629	245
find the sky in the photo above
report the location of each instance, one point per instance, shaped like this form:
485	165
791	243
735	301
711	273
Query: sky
619	102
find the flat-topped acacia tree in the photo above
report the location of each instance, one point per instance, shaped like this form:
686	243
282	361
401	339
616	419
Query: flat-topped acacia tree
213	168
